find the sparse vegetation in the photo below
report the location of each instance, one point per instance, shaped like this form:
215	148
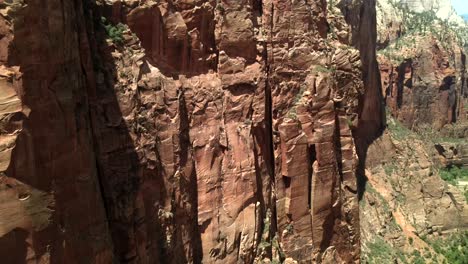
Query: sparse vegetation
382	252
397	129
417	258
454	248
389	168
292	113
115	32
465	192
320	68
421	24
220	7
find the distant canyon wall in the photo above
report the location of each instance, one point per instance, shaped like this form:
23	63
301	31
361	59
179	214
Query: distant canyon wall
423	65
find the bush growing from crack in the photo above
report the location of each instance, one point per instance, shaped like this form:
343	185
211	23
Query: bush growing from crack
115	32
292	113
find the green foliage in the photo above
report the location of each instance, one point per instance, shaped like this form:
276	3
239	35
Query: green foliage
417	258
398	130
424	23
454	248
220	6
379	249
320	68
389	168
466	194
450	140
349	122
264	245
299	95
382	252
115	32
454	174
292	113
276	245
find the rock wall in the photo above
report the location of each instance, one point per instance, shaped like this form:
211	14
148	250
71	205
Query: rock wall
423	64
426	88
195	131
51	207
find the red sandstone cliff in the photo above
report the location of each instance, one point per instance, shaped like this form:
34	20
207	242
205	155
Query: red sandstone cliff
196	131
423	66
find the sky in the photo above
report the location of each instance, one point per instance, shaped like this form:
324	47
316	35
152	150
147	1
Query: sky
461	6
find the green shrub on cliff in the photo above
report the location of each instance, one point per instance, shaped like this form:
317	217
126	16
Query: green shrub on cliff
454	174
115	32
454	248
466	194
397	129
381	252
427	23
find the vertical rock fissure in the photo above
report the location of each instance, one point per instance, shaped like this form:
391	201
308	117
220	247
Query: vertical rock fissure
312	159
400	84
269	126
89	58
464	90
191	185
338	147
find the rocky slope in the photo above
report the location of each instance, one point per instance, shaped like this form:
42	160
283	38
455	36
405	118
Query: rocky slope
409	213
185	131
415	206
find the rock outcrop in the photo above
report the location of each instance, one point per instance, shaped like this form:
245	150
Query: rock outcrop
51	207
185	131
427	86
422	59
407	206
413	204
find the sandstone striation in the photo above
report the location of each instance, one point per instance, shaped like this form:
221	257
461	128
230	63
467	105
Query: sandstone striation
194	131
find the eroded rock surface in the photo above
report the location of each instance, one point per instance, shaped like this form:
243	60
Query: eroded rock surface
422	57
195	131
407	205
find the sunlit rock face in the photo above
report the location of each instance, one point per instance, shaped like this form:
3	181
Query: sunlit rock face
195	131
442	8
422	61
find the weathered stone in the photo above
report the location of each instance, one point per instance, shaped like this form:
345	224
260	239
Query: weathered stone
195	131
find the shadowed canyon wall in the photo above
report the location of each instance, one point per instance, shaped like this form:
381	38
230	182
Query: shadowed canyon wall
185	131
